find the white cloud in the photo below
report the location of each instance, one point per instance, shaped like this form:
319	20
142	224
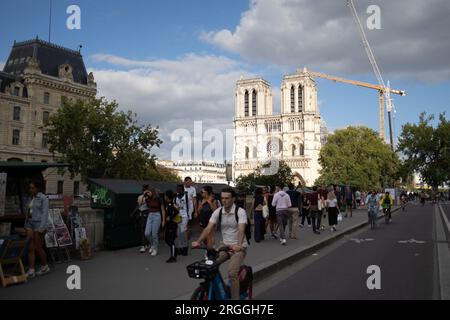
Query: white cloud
414	40
173	93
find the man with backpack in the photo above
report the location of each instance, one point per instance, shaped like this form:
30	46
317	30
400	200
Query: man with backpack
232	221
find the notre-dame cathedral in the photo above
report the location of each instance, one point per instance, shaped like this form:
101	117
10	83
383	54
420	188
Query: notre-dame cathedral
294	136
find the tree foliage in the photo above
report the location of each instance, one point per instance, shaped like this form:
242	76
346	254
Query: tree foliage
356	156
427	149
99	141
247	183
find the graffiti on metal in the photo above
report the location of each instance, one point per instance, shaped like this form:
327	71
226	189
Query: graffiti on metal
101	197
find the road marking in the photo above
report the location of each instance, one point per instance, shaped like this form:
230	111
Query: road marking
411	241
361	240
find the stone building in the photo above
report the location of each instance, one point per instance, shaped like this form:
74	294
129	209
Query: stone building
293	136
37	76
198	171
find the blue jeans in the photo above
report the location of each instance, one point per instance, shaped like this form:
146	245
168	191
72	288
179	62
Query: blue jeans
152	229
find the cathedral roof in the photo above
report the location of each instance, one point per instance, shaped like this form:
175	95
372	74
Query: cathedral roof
50	57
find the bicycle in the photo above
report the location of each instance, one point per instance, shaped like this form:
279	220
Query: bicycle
373	218
387	213
214	287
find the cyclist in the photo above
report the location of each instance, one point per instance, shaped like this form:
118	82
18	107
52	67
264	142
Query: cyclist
372	207
233	234
386	203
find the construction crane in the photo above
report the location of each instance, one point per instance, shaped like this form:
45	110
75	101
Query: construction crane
383	91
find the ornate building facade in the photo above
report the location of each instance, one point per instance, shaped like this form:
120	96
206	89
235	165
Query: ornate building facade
293	136
198	171
37	76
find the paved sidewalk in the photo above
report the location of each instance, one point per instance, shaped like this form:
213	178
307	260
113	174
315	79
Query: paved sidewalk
128	274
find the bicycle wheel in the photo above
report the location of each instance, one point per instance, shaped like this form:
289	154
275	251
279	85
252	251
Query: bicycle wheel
201	293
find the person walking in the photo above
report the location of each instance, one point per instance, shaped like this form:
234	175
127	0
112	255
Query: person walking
358	198
181	201
294	196
36	227
349	198
313	198
143	216
333	210
305	211
172	220
156	218
259	221
323	193
273	223
206	208
282	203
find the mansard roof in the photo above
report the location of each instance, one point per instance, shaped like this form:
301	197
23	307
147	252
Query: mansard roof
50	57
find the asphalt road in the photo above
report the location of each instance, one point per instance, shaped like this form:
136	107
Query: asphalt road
404	250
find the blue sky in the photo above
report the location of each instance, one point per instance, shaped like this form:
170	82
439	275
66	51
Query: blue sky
174	62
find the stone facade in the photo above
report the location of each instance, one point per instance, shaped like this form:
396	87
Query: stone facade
199	171
294	136
29	95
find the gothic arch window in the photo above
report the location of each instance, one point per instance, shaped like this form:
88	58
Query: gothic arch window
302	149
300	98
293	149
246	103
254	102
292	99
247	151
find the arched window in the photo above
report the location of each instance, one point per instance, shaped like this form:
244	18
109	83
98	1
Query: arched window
302	149
246	103
254	103
293	149
300	98
292	99
247	151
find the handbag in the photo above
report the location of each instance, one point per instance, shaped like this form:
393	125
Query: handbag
265	211
339	217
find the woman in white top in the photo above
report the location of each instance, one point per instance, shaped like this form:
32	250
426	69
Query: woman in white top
333	210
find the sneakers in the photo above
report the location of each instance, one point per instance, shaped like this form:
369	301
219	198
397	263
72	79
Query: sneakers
171	260
274	236
283	242
43	270
309	226
301	225
333	228
154	252
31	274
142	250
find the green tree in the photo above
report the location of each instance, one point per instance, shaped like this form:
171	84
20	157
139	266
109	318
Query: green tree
356	156
98	141
247	183
427	149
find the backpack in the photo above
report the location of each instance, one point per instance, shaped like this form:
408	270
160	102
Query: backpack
248	226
